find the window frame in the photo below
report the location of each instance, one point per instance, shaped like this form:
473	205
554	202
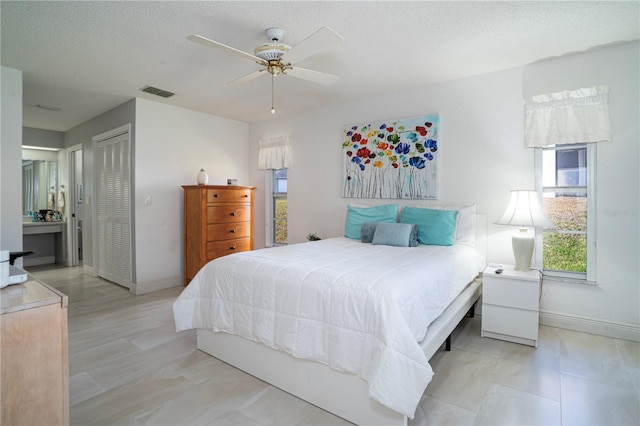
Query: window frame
270	203
590	275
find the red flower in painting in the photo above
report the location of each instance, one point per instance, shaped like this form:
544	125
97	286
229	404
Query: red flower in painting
356	138
421	130
389	129
349	153
395	165
363	153
428	124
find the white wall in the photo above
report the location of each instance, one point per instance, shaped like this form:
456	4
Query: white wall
483	159
616	297
172	145
10	161
480	144
81	135
42	138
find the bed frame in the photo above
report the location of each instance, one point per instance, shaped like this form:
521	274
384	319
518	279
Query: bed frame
343	394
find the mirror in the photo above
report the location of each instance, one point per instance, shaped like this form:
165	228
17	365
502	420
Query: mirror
39	185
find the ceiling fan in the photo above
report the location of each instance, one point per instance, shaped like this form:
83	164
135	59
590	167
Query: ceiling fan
278	58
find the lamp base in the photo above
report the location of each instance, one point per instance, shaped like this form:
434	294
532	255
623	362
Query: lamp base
523	243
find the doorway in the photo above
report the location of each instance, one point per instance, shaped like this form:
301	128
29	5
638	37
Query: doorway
76	206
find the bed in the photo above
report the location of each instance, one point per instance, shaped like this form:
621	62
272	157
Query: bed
345	325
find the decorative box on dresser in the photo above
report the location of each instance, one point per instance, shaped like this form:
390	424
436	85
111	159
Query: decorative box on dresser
218	220
510	305
34	355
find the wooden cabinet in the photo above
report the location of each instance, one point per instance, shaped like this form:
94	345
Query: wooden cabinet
34	356
510	305
218	220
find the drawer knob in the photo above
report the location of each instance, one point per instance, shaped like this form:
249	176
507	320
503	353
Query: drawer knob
216	195
246	195
233	214
233	231
232	248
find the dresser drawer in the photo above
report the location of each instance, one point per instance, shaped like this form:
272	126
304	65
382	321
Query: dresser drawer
228	195
510	322
228	213
515	293
228	231
223	248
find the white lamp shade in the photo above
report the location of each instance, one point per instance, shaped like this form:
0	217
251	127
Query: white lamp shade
524	209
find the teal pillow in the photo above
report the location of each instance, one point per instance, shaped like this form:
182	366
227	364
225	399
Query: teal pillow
435	227
396	234
356	216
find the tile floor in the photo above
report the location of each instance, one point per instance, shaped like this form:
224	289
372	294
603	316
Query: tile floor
128	366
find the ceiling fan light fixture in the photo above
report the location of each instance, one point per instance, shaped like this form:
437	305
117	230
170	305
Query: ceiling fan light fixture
271	51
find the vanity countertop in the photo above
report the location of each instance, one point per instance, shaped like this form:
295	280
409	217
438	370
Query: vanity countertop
29	228
56	222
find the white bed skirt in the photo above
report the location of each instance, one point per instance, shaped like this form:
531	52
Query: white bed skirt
340	393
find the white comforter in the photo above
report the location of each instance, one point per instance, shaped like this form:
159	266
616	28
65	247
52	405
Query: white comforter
356	307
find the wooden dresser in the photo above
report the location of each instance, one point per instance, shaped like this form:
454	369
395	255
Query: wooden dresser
218	220
34	355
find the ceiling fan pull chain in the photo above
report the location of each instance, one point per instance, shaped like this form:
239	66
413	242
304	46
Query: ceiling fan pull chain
273	82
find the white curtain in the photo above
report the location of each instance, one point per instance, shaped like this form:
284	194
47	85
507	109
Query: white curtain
275	153
572	116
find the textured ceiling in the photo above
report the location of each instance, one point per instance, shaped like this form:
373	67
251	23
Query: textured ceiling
90	56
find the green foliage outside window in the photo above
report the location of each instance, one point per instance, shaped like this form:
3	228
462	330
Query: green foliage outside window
566	251
281	221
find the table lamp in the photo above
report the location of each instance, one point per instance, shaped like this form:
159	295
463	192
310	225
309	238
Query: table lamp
524	210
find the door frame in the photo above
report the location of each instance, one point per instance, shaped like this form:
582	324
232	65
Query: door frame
71	200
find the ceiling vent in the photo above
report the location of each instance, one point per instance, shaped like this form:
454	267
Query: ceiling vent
158	92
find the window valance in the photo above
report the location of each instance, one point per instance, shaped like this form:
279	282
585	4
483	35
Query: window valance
275	153
568	117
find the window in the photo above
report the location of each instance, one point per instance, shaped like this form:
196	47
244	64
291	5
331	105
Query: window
279	207
565	175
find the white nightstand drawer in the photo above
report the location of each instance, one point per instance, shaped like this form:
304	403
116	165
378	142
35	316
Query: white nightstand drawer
510	321
515	293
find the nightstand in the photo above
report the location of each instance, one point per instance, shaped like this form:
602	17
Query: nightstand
510	305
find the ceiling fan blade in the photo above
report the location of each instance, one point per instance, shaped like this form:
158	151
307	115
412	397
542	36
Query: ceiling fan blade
310	75
223	47
322	39
248	77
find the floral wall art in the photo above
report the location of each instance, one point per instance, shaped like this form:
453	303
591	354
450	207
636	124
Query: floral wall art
392	159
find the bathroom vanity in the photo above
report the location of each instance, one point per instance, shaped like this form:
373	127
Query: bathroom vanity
47	241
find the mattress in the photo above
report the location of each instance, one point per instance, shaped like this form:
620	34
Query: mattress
357	307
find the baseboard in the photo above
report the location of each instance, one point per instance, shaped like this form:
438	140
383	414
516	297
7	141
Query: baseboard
590	325
155	285
41	260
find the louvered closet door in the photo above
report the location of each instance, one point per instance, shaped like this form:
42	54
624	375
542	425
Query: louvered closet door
114	254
